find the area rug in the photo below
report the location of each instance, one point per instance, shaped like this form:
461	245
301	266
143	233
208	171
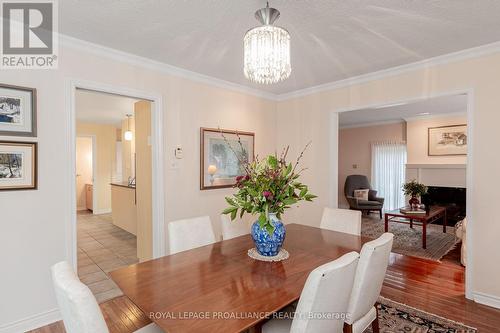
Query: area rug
396	317
408	241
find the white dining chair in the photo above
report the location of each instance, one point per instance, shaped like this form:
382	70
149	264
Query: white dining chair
78	306
232	229
326	292
190	233
342	220
370	274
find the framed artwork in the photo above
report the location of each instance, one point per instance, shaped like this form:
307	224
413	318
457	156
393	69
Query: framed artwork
18	165
221	156
17	111
448	140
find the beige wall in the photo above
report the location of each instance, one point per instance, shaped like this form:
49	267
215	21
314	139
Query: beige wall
417	133
39	220
105	137
310	117
128	149
355	149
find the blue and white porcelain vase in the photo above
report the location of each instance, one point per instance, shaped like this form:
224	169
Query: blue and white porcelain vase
269	245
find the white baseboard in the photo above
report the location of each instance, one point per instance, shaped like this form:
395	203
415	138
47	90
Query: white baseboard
101	211
30	323
489	300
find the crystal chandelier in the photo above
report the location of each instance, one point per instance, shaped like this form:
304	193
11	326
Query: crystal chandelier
267	49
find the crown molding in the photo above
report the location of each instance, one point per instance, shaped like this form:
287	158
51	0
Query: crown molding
372	124
474	52
147	63
154	65
437	115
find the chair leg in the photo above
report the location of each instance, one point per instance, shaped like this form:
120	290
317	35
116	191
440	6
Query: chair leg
380	212
375	326
347	328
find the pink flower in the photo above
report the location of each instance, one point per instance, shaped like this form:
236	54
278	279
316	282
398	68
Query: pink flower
268	195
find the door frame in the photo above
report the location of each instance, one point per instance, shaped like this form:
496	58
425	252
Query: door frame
334	137
158	168
94	159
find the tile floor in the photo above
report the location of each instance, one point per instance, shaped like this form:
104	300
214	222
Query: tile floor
103	247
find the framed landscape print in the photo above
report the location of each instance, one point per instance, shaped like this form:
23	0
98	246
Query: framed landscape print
18	165
448	140
221	159
17	111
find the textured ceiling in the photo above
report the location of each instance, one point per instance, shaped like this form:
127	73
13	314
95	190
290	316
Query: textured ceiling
399	112
331	39
101	108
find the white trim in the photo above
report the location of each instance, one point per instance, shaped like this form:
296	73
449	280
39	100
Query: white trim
436	166
478	51
437	115
469	170
489	300
144	62
157	153
101	211
32	322
371	124
161	67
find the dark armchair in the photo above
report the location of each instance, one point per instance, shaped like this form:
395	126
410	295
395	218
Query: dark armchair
359	182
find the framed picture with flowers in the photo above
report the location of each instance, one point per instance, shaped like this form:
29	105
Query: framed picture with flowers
223	154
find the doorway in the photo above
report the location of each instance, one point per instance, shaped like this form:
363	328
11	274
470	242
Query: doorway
85	173
442	170
125	163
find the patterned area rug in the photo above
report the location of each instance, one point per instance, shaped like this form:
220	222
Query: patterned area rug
408	241
396	317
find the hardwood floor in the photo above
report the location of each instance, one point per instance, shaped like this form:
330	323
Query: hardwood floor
427	285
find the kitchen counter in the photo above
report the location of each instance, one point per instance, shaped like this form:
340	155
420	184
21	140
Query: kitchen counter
124	206
123	184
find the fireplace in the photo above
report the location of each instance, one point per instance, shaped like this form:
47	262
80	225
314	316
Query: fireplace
453	198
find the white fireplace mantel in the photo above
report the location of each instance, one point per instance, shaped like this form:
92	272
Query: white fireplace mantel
446	175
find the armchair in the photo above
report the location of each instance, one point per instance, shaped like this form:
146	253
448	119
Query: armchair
358	182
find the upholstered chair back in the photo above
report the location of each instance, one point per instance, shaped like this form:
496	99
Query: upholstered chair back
78	306
239	227
342	220
355	182
190	233
326	291
370	273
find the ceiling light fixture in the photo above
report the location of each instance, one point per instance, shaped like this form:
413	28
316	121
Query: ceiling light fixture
267	49
423	114
128	133
389	105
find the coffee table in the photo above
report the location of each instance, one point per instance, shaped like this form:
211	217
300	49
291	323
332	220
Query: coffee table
419	219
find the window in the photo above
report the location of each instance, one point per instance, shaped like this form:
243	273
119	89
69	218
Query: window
388	172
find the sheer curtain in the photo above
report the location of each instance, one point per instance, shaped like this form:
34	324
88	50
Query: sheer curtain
388	172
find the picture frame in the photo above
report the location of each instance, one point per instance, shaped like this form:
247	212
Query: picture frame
448	140
18	111
219	166
18	165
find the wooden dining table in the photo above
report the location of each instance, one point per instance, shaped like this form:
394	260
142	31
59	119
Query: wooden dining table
218	288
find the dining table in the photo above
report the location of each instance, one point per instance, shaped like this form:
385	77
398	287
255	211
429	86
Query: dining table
219	288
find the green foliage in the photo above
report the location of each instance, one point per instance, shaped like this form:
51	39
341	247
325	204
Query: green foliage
269	186
414	188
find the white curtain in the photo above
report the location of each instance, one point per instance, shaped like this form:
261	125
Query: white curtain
388	172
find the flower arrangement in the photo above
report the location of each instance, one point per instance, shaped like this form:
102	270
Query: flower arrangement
269	186
414	188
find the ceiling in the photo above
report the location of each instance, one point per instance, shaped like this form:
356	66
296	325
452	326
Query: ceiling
101	108
399	112
331	39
